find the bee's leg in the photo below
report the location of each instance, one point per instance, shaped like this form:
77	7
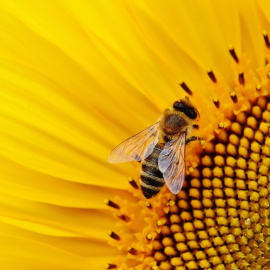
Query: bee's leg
193	138
166	138
185	131
169	201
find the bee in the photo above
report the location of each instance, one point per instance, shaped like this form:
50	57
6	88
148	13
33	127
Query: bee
161	149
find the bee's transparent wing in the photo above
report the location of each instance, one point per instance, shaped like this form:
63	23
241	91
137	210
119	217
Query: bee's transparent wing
171	163
137	147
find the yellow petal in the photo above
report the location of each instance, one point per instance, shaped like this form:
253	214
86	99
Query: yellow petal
33	254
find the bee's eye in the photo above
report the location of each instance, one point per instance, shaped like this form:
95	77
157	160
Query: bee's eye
188	111
180	106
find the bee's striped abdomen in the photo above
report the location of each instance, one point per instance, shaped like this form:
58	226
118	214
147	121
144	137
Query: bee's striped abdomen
151	178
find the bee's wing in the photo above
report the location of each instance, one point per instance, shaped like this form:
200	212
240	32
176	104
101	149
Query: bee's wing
171	163
137	147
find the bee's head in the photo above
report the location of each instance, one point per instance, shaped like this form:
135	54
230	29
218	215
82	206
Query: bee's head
185	106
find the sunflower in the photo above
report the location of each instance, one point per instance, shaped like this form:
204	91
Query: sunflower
79	77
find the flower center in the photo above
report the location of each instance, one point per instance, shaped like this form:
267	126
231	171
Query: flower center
221	218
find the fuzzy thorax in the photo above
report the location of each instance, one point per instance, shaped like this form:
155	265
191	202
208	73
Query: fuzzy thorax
173	123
